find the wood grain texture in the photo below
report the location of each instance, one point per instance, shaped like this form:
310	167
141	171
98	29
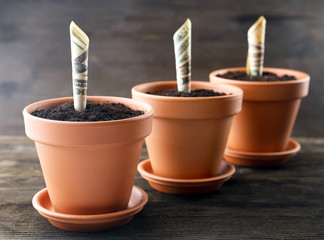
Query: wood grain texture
279	203
131	43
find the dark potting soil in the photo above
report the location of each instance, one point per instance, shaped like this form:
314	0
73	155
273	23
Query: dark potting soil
266	77
193	93
94	112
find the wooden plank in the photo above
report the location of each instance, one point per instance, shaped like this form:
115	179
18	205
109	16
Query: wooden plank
131	43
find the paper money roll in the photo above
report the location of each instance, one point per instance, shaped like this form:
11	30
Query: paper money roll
182	50
79	58
256	39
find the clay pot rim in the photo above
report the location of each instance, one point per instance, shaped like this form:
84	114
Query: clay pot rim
146	108
304	76
236	91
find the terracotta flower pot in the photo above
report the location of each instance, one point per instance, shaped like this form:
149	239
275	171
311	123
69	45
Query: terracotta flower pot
189	134
89	167
269	110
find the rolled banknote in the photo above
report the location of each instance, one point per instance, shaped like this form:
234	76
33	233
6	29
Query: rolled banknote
79	58
256	39
182	50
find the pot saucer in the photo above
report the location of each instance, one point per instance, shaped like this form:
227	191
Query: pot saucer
89	223
262	159
185	186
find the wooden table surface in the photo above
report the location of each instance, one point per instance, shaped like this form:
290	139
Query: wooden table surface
285	202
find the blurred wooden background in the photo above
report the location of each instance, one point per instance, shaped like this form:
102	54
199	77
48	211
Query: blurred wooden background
131	43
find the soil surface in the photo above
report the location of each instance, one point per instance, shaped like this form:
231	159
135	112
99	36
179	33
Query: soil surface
193	93
266	77
93	113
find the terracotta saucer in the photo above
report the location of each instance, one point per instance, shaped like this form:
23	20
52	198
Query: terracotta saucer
262	159
89	223
185	186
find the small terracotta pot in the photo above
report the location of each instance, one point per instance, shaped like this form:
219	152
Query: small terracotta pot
189	133
89	167
269	110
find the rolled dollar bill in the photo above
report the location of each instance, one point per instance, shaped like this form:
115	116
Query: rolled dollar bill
79	58
182	50
256	39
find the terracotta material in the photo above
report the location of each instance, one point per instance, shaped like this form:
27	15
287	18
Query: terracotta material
263	159
186	186
89	223
89	167
189	135
268	113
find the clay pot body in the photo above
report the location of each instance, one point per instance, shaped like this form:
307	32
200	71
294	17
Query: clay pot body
268	112
189	134
89	167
